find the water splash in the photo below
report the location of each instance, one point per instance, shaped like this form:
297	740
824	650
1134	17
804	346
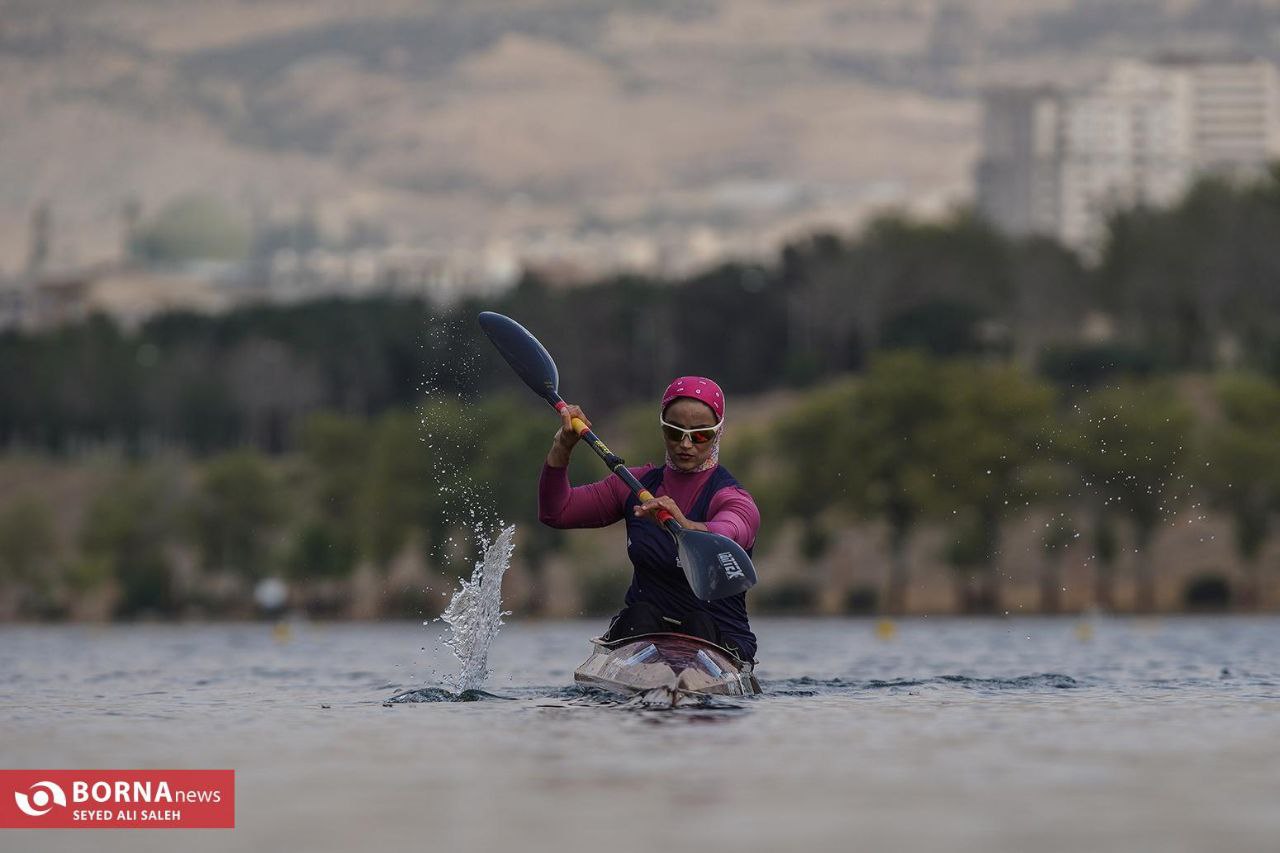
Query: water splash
437	694
474	615
448	407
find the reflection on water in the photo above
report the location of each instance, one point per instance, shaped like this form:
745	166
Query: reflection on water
963	735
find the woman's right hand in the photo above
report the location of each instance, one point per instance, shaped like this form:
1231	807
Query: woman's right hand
567	437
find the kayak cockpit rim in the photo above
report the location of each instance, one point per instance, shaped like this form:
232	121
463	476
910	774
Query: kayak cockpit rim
733	655
684	663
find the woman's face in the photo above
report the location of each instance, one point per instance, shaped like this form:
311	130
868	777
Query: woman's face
688	414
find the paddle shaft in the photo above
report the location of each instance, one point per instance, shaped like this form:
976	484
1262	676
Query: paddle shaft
715	566
618	467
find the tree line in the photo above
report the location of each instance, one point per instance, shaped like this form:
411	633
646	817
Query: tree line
1186	288
973	447
942	375
966	446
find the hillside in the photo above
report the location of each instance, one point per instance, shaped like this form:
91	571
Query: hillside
452	123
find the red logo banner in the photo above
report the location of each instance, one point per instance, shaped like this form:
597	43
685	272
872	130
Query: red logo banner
117	799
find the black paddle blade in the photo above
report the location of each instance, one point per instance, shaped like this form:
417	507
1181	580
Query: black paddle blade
715	566
527	357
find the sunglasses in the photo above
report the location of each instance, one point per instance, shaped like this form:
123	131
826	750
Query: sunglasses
697	435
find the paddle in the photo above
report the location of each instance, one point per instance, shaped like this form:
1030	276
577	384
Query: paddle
715	566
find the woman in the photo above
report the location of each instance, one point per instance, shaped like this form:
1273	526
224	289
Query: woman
693	487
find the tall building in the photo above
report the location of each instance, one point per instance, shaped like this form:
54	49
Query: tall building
1236	110
1059	162
1018	174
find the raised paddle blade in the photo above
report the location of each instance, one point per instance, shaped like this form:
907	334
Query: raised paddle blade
715	566
527	357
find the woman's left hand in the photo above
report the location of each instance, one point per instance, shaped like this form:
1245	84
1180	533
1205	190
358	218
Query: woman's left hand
650	508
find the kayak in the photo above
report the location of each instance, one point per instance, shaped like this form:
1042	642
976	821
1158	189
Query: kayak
665	669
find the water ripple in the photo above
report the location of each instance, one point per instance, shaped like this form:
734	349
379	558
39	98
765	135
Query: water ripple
806	686
440	694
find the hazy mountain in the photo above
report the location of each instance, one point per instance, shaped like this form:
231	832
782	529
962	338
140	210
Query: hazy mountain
461	122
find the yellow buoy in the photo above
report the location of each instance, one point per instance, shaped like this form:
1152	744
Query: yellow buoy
886	630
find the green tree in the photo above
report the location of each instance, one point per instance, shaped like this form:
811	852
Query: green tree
749	451
454	436
887	456
517	436
320	551
904	267
234	514
1243	468
1196	282
27	540
28	546
814	475
639	438
1106	544
992	462
1130	448
126	533
1059	533
335	452
827	305
398	490
1051	297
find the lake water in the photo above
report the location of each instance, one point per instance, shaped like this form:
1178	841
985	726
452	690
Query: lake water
957	735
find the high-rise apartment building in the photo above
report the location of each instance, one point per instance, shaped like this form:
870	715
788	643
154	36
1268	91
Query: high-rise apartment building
1236	111
1058	162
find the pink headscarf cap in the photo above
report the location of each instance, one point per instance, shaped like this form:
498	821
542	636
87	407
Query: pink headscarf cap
696	388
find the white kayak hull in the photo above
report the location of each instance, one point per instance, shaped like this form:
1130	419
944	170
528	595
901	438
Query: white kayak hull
665	669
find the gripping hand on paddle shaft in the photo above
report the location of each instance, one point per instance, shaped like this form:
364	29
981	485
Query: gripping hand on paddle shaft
650	509
715	566
567	437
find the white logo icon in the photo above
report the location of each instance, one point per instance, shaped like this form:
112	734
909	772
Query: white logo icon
45	795
730	566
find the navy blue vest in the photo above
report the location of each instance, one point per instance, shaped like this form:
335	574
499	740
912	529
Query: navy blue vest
657	578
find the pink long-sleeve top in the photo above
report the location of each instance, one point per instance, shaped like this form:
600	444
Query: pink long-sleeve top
733	513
